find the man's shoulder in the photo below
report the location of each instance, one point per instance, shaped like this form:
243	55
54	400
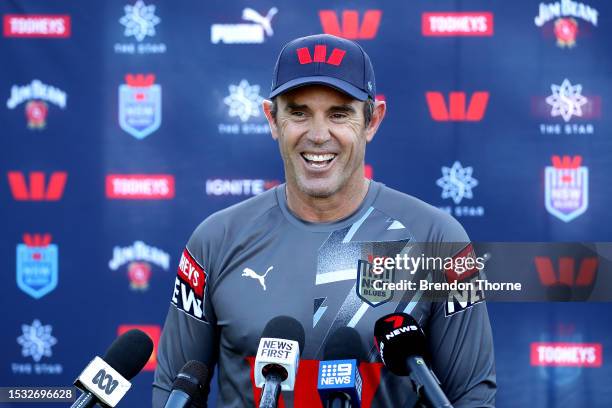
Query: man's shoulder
237	217
424	220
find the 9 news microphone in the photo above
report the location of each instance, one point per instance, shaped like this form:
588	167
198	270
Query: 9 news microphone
339	382
278	357
401	344
190	387
106	380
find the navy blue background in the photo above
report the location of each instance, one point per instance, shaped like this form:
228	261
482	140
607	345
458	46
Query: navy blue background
505	149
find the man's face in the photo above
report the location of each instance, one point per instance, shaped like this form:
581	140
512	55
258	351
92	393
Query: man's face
322	137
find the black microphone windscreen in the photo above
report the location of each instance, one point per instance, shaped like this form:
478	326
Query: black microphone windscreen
344	344
285	327
398	337
129	353
193	380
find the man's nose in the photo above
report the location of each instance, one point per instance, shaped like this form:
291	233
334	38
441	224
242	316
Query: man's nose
319	131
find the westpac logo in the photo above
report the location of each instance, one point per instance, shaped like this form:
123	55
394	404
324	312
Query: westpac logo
36	189
140	186
566	188
254	32
452	24
350	27
36	26
456	110
154	333
37	265
320	55
565	273
36	94
140	105
565	13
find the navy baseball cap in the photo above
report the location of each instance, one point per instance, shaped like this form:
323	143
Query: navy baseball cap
327	60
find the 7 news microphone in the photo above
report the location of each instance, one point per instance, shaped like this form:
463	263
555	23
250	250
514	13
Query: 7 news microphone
106	380
402	347
190	387
339	383
278	357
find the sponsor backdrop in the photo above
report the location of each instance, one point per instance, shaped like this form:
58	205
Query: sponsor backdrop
125	123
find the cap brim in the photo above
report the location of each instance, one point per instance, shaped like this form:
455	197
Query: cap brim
335	83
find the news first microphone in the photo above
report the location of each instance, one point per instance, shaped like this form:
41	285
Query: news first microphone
190	387
401	344
106	380
339	382
278	357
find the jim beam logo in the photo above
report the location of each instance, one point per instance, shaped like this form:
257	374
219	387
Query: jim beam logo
365	283
566	187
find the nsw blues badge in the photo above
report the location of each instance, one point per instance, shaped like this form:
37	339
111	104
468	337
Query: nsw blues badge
37	265
140	105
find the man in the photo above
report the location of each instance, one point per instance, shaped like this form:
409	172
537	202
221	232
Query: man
294	250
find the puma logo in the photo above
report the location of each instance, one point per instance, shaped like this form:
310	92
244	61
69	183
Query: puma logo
265	22
249	273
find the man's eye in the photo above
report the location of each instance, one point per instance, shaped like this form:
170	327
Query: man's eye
338	115
298	114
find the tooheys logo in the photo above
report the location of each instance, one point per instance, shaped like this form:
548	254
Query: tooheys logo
140	186
567	354
36	26
189	287
350	28
447	24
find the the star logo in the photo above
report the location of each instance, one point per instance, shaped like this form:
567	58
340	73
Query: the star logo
244	100
566	100
457	182
36	340
139	20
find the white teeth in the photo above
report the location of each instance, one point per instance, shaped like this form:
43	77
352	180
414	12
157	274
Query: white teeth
318	157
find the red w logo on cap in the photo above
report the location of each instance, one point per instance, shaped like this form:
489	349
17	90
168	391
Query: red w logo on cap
320	55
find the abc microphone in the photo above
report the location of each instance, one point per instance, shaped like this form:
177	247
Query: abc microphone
339	382
401	344
106	380
278	356
190	387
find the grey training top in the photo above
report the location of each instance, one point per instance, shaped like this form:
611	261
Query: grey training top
256	260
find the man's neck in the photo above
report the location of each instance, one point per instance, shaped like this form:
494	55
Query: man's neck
336	207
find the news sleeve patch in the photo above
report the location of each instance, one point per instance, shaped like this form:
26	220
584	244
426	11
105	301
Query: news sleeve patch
464	268
189	287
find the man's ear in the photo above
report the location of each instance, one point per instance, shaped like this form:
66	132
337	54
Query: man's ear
267	108
380	108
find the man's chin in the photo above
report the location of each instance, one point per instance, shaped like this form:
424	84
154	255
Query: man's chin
318	188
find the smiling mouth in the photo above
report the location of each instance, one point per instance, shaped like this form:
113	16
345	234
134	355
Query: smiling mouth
318	161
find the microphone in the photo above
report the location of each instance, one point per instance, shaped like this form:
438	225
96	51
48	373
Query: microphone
401	344
278	357
106	380
190	387
340	383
